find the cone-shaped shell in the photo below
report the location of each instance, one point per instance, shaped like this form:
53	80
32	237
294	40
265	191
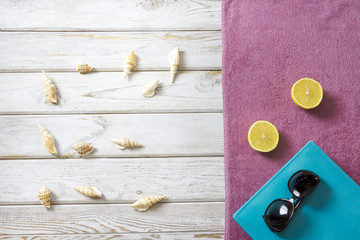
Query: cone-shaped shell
49	89
49	142
150	88
174	61
145	202
83	68
91	192
129	63
45	196
83	148
123	143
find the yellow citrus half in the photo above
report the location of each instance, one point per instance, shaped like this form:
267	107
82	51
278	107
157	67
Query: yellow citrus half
263	136
307	93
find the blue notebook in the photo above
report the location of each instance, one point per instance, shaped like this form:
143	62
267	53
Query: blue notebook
331	211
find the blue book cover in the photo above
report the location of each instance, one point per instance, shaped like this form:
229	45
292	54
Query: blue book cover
331	211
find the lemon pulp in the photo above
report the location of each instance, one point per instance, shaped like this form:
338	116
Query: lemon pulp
263	136
307	93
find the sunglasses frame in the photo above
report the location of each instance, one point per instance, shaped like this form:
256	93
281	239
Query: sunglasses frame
292	200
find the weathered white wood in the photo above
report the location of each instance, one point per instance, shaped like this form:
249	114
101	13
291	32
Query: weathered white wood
161	134
23	93
24	51
130	236
111	218
110	15
120	180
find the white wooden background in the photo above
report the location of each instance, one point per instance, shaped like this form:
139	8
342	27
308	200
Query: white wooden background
181	127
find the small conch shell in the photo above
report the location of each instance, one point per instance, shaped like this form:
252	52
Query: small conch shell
45	196
145	202
50	89
149	89
83	148
123	143
83	67
129	63
174	61
91	192
49	142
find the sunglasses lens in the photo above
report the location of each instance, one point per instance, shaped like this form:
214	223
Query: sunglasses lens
302	183
278	214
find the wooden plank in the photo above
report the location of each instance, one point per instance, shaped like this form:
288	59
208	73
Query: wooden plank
110	15
198	91
161	134
56	51
136	236
120	180
111	218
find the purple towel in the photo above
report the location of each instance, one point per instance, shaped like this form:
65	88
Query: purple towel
267	46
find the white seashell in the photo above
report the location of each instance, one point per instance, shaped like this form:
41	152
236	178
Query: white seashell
145	202
50	89
149	89
83	68
49	142
45	196
123	143
92	192
174	61
129	63
83	148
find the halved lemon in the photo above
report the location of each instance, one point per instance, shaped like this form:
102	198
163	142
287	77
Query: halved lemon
263	136
307	93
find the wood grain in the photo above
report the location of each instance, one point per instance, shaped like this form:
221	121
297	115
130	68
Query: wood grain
120	180
110	15
161	134
111	218
198	91
136	236
34	51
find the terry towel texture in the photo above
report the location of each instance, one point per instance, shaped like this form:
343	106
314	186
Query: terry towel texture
267	46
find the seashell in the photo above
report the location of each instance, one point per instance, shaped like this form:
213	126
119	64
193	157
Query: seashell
49	142
50	89
45	196
149	89
129	63
83	68
145	202
92	192
174	60
123	143
83	148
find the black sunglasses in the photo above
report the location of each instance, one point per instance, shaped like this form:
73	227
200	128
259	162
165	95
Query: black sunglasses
280	211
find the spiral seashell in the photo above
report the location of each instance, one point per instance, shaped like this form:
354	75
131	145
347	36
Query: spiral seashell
50	89
83	68
129	63
83	148
145	202
91	192
174	61
149	89
123	143
49	142
45	196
